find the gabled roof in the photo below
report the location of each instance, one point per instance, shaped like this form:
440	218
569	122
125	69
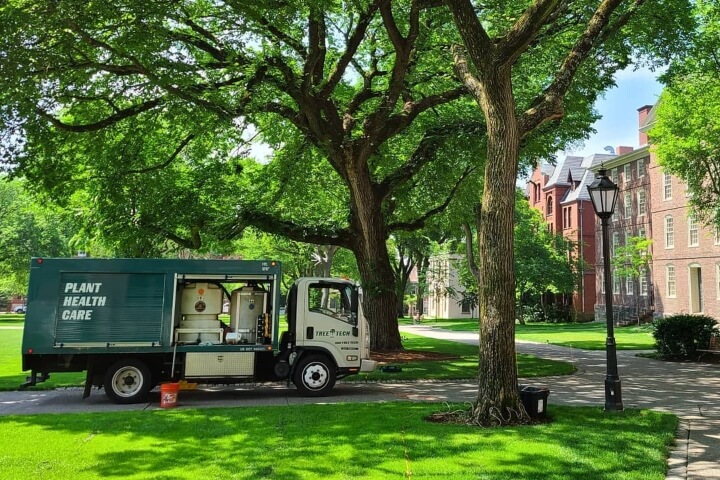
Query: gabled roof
560	174
584	176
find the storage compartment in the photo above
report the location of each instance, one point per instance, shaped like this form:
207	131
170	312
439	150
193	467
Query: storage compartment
218	364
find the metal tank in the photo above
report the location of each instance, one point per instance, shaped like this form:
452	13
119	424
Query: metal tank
246	305
200	305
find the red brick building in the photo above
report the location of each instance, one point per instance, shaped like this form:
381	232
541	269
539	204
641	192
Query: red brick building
560	194
684	273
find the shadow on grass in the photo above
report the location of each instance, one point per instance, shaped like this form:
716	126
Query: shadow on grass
336	441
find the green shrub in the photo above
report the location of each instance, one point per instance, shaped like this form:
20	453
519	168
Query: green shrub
680	336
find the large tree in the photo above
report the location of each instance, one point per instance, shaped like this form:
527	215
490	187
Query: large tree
105	93
685	136
588	41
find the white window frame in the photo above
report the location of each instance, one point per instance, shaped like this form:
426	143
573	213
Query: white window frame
693	231
667	186
615	243
627	173
627	205
643	283
670	281
669	233
642	205
629	286
641	168
641	232
614	175
617	283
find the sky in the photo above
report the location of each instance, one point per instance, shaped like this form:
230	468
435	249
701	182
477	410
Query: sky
619	123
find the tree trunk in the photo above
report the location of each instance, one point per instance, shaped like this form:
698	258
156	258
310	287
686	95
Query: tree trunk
498	400
371	253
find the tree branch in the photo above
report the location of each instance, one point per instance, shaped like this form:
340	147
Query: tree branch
432	140
549	106
420	221
475	38
301	233
525	29
106	122
351	47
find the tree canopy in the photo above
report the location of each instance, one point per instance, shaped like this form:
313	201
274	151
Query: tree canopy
686	136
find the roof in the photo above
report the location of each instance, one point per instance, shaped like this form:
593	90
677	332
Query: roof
560	173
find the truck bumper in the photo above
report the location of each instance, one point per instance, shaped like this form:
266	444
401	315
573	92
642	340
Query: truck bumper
367	365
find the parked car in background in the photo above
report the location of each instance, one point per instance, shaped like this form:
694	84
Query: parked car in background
20	309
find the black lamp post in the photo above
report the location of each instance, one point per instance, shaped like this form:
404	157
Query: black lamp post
604	194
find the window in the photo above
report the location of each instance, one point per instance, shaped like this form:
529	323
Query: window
615	243
628	205
670	280
642	207
629	286
641	168
567	217
669	232
549	205
642	282
616	282
667	186
641	232
601	279
614	175
693	237
537	193
333	300
627	173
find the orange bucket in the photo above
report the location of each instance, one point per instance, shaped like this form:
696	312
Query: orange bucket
168	395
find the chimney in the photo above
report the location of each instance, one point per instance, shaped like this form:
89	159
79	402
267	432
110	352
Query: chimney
642	115
623	150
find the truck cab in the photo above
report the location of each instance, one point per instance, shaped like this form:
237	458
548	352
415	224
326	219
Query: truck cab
327	335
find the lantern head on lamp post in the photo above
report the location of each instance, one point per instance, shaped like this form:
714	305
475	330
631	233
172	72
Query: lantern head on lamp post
604	194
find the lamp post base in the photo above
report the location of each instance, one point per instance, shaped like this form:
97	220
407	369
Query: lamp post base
613	395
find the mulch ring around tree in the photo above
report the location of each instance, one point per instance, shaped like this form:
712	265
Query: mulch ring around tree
405	356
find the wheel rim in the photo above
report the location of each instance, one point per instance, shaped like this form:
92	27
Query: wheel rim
127	381
315	376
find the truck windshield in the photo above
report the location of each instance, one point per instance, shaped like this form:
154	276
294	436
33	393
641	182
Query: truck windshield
334	300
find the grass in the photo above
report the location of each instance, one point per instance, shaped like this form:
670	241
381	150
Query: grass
587	336
340	441
464	367
11	374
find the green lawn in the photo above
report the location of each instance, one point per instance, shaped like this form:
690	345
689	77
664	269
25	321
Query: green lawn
587	336
466	366
340	441
11	374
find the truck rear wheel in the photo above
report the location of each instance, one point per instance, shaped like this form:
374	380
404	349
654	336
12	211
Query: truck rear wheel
127	381
314	376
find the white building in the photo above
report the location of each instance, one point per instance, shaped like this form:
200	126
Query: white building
444	294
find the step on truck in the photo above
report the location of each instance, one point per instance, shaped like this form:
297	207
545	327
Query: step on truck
132	324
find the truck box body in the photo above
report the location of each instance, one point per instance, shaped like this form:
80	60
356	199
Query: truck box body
126	321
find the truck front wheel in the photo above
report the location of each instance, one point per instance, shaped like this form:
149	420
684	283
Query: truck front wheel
127	381
314	376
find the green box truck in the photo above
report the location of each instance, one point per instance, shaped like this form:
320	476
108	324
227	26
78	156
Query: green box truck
132	324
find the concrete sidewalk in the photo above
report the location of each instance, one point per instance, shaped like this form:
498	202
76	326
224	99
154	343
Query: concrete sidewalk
690	390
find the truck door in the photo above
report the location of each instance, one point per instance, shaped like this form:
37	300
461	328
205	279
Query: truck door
331	320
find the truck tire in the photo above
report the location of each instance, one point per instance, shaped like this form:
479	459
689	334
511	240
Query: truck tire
127	381
314	375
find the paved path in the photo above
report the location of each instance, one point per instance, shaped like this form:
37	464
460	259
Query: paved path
690	390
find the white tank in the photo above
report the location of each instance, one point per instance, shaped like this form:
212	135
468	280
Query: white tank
200	305
246	305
